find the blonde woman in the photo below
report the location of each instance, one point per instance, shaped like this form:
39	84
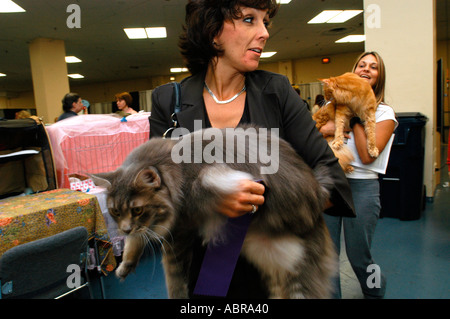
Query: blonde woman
363	181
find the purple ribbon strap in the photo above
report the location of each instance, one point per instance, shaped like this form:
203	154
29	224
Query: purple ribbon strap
220	259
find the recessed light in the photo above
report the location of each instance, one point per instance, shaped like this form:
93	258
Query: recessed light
334	16
352	38
155	33
75	76
72	59
268	54
283	1
178	70
7	6
135	33
2	74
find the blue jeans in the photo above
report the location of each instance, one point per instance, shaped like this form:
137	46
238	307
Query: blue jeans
358	235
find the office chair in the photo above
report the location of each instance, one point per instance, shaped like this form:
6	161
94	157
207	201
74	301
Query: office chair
39	269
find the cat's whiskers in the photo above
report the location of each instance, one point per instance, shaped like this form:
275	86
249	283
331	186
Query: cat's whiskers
152	237
144	236
167	230
160	239
148	242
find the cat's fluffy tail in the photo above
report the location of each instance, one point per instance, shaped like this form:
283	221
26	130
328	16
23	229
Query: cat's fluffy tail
215	182
222	178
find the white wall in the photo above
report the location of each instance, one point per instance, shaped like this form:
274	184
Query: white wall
404	33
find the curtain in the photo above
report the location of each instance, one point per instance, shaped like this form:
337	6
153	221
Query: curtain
309	91
100	108
145	100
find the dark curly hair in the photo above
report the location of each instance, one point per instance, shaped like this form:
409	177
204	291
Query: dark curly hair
204	20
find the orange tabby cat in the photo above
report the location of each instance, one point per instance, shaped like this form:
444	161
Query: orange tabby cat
345	156
350	96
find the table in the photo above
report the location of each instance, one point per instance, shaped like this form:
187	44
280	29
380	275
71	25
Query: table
27	218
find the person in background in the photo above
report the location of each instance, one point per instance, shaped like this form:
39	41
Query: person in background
359	231
71	104
320	101
300	94
124	102
226	90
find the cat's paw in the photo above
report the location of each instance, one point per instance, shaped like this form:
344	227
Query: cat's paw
349	169
124	270
374	152
337	144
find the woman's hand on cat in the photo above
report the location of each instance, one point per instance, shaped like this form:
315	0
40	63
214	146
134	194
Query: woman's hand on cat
240	203
329	129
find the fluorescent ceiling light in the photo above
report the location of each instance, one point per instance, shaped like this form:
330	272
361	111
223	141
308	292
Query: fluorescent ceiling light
144	33
334	16
344	16
352	38
2	74
178	70
72	59
135	33
268	54
283	1
324	16
75	76
7	6
154	33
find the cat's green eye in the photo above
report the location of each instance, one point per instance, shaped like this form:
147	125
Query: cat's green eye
136	211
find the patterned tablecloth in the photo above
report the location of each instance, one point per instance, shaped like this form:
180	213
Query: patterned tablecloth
27	218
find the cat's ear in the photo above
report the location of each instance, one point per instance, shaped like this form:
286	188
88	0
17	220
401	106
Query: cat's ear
325	81
103	179
149	177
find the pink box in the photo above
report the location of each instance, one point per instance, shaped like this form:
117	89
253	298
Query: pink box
95	143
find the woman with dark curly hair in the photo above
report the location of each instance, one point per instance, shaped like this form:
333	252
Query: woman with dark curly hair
205	20
222	43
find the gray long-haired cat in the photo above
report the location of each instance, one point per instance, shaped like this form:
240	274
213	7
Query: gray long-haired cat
166	191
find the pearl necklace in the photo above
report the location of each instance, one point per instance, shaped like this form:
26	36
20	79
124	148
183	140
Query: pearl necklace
226	101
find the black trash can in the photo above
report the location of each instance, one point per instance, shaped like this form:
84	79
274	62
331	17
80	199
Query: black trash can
402	191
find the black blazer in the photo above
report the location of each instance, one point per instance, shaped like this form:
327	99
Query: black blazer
272	103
